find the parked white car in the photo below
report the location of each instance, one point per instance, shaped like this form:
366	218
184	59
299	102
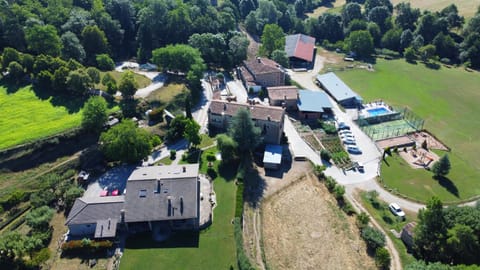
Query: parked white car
396	210
353	149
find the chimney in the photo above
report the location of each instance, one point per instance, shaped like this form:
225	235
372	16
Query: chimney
259	60
184	169
158	186
269	118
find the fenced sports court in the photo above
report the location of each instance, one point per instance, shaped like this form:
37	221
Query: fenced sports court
399	123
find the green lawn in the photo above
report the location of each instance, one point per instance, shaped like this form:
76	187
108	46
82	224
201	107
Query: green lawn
466	8
216	244
25	117
448	99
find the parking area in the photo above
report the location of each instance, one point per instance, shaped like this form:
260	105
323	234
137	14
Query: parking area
113	179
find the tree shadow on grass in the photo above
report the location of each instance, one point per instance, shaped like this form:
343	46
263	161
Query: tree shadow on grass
11	87
432	65
447	184
73	104
180	239
228	171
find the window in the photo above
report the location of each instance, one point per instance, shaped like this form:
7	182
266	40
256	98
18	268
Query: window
142	193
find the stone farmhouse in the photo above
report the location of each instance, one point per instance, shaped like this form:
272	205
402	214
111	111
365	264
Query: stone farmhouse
269	119
261	72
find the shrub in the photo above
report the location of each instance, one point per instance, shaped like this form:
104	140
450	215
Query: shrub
319	171
327	127
211	157
104	62
156	141
348	208
382	258
325	155
212	173
156	115
330	183
362	220
242	259
41	256
339	191
239	201
173	154
373	237
86	245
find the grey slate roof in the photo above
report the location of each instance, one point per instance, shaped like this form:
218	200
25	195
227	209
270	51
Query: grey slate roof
336	87
90	210
313	101
162	193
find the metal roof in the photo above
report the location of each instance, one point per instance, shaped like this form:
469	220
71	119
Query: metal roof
313	101
273	154
336	87
300	46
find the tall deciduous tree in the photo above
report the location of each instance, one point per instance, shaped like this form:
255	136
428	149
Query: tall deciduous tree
128	85
191	132
72	48
43	39
94	114
126	142
273	39
177	57
243	131
94	42
360	42
227	147
78	82
431	231
442	166
280	56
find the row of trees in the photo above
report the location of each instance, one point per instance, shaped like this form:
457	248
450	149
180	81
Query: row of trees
401	29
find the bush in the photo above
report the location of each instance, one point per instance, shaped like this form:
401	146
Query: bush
328	127
41	256
362	220
104	62
330	183
212	173
156	141
173	154
211	157
239	201
339	191
86	245
319	171
382	258
325	155
348	208
156	115
373	237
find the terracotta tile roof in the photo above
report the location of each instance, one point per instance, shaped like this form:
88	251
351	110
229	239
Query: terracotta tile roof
300	46
262	65
258	112
280	92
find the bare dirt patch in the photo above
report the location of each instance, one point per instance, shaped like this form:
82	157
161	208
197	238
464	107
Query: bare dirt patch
303	228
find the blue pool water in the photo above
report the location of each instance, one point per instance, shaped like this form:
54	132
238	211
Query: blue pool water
377	111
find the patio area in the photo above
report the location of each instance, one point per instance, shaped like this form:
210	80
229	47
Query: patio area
111	183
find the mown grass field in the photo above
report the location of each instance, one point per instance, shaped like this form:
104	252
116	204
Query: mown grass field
141	80
25	117
466	8
215	248
448	99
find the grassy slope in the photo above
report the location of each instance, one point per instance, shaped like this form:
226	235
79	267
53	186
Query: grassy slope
447	99
216	246
24	117
466	8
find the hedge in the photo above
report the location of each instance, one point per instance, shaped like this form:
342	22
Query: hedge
239	201
86	245
242	260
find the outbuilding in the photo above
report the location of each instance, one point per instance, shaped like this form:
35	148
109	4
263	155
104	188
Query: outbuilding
339	90
272	157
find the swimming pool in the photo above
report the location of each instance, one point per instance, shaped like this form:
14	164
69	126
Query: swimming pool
377	111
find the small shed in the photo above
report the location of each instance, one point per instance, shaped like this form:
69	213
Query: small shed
313	104
272	157
408	233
